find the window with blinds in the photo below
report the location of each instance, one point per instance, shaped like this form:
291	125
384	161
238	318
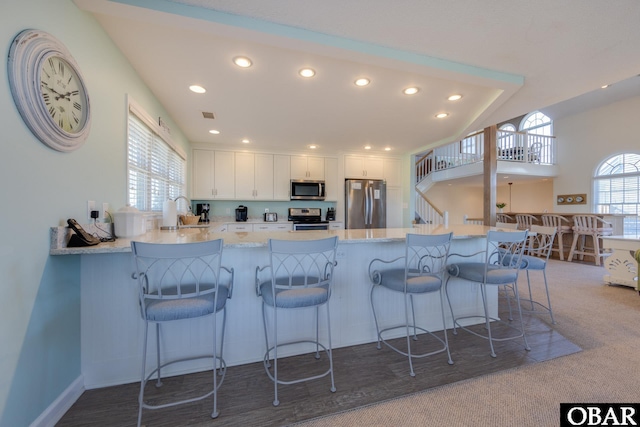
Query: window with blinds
155	171
617	189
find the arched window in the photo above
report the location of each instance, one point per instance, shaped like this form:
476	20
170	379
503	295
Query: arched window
537	123
617	189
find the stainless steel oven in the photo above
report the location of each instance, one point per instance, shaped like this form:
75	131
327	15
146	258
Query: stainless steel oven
307	190
307	219
321	225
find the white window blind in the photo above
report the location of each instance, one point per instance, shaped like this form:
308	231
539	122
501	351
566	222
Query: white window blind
617	189
156	172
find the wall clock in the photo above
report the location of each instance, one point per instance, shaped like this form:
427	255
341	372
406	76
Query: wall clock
49	90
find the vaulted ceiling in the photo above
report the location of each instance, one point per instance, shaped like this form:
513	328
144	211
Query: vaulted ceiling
505	58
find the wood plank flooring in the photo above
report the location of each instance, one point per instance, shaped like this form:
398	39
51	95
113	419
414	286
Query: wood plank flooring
363	375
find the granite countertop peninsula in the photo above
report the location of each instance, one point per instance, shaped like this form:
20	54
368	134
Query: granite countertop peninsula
60	237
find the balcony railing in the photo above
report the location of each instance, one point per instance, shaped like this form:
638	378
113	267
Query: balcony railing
511	146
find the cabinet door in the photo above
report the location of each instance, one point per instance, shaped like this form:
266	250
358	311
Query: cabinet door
239	227
305	167
315	166
223	175
281	177
331	178
263	184
374	168
299	167
353	167
202	185
244	175
393	172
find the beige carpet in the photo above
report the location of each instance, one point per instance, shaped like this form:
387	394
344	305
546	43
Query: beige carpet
603	320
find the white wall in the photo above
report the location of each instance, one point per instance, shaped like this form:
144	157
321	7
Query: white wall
586	139
41	188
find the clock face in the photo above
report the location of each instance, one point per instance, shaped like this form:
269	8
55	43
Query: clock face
63	94
48	90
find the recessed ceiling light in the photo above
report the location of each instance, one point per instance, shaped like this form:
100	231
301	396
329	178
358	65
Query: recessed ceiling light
362	82
313	146
367	147
411	91
604	86
454	97
197	89
307	72
242	61
214	131
387	148
441	115
245	141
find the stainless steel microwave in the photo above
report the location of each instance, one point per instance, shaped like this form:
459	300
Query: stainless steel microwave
307	190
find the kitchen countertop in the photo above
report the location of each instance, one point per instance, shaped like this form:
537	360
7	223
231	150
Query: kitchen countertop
59	237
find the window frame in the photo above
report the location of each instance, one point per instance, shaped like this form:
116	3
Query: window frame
168	150
629	201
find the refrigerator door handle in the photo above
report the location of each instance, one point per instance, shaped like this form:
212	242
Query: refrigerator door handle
370	210
366	206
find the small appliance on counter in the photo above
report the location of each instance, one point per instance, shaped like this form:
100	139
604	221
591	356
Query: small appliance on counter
202	210
270	217
241	213
331	214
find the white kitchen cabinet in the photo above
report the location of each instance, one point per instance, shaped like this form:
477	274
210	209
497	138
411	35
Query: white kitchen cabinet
392	172
331	179
212	175
279	226
363	167
307	167
281	177
253	176
336	225
239	227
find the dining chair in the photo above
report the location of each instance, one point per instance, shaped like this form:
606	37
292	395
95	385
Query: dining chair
298	276
177	282
525	221
589	226
500	266
558	221
418	273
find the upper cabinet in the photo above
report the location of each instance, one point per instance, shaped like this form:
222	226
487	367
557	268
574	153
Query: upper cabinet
307	167
281	177
331	179
392	169
253	176
363	167
212	175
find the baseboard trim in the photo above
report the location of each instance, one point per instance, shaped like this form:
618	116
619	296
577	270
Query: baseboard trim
61	405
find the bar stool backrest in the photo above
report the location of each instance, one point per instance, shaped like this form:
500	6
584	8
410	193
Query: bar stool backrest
590	223
525	221
553	220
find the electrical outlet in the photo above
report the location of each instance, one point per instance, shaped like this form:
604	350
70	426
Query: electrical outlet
91	206
105	209
266	210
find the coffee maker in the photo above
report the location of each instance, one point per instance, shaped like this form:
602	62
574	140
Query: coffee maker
202	210
331	214
241	213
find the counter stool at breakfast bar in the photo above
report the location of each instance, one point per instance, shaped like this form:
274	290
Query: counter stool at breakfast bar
500	267
299	276
562	226
594	227
179	282
419	272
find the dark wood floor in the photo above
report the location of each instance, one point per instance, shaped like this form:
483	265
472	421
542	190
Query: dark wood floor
363	375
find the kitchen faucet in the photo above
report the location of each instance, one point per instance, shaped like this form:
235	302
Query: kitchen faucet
187	200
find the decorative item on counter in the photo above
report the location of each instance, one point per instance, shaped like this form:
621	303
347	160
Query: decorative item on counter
169	215
189	219
129	222
500	206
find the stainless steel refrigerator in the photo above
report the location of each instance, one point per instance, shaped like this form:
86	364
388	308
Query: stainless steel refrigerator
365	203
